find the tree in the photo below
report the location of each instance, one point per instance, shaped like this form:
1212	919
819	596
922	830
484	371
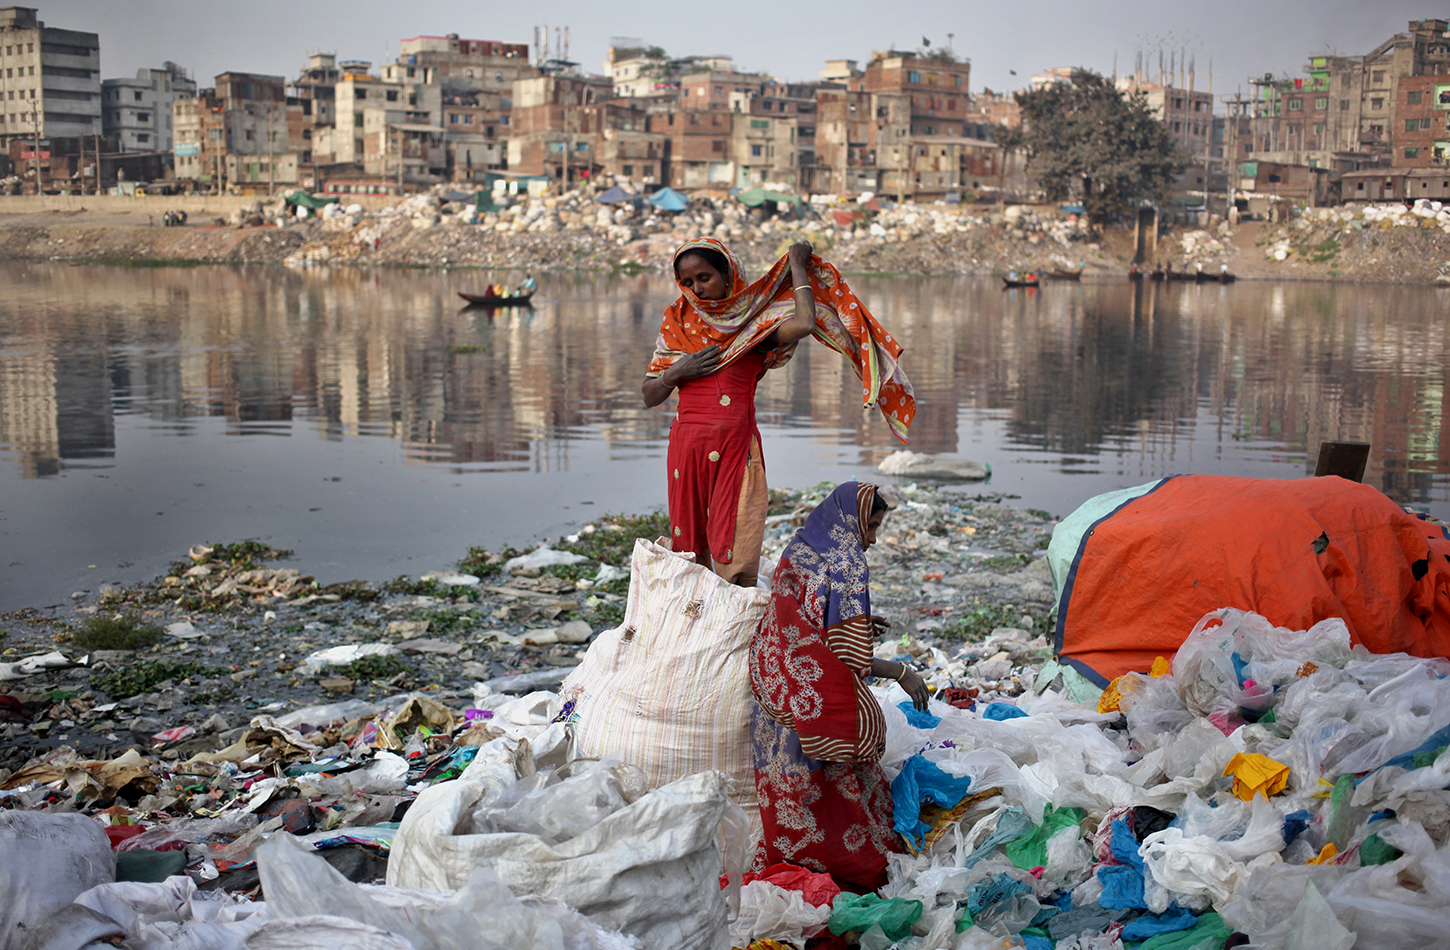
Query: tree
1087	130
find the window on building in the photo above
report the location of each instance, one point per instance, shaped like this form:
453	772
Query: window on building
1321	103
913	76
306	134
760	123
717	147
1344	105
250	135
1413	97
1378	76
359	93
143	137
1319	128
628	170
136	96
1412	153
411	72
1177	102
581	147
756	151
143	117
392	95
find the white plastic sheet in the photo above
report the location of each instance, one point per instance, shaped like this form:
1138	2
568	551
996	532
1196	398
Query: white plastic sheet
45	861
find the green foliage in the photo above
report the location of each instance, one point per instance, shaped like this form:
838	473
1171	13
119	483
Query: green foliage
1038	513
978	623
125	632
475	562
1088	130
612	541
607	613
359	591
246	554
465	348
1322	252
144	676
372	668
448	621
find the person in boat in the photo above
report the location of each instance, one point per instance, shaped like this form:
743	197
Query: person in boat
715	343
1157	267
1012	275
1133	269
1199	265
819	732
488	292
528	285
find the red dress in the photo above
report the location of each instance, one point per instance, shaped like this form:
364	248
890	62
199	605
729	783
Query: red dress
710	443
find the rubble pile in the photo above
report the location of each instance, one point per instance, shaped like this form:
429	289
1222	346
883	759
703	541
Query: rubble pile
1208	248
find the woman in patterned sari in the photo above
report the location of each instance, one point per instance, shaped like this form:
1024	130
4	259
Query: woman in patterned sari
819	732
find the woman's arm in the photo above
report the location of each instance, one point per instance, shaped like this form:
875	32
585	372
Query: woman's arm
909	679
800	325
657	389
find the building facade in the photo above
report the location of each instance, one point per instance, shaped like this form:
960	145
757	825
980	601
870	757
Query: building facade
50	96
136	114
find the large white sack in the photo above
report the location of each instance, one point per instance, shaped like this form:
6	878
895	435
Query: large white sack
45	861
650	869
669	689
482	915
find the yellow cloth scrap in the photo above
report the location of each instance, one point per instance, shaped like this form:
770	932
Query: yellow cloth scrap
1124	685
1161	668
1108	701
1325	856
1254	773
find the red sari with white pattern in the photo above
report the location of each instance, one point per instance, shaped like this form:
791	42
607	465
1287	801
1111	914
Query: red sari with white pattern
825	803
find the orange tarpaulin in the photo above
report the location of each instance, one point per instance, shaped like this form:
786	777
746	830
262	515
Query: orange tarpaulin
1296	552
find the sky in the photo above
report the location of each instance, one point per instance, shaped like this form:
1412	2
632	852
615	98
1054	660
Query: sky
1240	37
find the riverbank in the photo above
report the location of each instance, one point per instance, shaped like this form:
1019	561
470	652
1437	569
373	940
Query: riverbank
233	631
571	233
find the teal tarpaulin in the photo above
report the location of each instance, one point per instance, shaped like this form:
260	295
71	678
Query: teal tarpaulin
759	196
667	199
305	200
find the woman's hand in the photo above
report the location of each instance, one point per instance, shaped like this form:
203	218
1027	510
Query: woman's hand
656	389
699	363
879	625
915	687
800	254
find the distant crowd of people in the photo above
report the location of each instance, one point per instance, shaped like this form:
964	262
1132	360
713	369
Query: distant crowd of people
173	219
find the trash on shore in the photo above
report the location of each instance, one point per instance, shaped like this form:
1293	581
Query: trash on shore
1286	787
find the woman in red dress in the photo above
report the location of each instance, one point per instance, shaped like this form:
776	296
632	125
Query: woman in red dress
717	491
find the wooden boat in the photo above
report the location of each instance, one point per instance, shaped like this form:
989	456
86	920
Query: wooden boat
1225	278
511	300
1063	275
1155	275
1179	275
1008	281
1136	275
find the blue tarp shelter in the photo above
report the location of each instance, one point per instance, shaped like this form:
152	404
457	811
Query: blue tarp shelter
667	199
615	196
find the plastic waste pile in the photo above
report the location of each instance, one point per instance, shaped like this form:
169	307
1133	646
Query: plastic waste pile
1272	783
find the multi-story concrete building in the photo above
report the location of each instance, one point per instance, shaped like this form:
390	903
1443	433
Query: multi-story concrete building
199	138
1345	113
136	114
471	64
711	90
935	87
698	147
551	129
1422	121
240	134
990	108
763	149
50	93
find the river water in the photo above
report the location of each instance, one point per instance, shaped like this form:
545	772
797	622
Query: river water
365	420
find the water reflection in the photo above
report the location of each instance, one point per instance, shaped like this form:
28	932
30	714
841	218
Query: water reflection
1068	389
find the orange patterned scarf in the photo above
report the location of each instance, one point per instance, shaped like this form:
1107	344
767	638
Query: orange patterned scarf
751	313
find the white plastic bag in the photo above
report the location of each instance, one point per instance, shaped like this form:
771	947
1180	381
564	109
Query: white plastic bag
482	915
650	869
768	911
45	861
1268	656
